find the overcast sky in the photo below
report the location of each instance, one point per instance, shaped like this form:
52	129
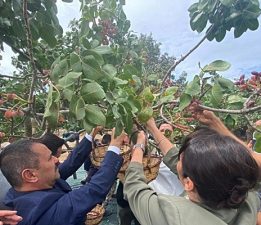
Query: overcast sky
168	21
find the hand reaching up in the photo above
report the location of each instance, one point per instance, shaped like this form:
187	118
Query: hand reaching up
118	141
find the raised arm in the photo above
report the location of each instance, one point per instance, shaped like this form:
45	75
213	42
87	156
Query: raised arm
163	143
210	119
78	155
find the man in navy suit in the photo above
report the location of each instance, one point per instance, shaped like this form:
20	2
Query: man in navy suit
39	191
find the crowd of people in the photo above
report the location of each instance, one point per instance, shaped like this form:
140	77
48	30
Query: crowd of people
211	179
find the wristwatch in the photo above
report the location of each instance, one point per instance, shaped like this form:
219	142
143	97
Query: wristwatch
141	146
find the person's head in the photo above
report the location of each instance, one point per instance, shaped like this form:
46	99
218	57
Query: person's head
53	142
28	165
217	168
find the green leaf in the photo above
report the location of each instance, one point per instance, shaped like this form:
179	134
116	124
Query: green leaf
119	127
84	41
230	121
226	83
125	110
134	103
52	118
75	62
47	33
119	81
80	109
84	27
110	69
240	29
235	99
94	43
91	71
94	115
92	92
184	101
145	114
227	2
220	34
217	93
252	24
129	71
69	79
68	94
152	77
96	56
218	65
104	49
73	104
87	125
60	69
147	95
115	112
170	91
193	87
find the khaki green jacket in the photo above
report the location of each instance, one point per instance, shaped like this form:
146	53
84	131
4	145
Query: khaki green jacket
151	208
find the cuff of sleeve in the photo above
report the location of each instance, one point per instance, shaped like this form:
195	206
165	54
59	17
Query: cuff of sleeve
114	149
88	137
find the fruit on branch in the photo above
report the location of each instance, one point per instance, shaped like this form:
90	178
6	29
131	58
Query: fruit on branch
168	83
145	114
243	87
8	114
11	96
2	101
250	104
19	113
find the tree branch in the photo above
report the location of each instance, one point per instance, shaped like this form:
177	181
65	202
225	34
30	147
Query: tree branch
183	128
252	124
30	51
186	55
232	111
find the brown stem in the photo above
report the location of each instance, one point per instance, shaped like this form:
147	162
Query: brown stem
185	56
30	51
178	126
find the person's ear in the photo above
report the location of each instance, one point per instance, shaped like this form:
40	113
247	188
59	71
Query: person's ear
188	184
29	176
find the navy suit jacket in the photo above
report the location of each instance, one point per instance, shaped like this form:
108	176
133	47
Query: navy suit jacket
60	205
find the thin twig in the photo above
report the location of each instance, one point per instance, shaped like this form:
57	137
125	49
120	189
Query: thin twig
256	92
232	111
165	103
252	124
181	127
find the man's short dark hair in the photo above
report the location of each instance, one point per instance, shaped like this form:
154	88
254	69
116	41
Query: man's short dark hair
222	169
16	157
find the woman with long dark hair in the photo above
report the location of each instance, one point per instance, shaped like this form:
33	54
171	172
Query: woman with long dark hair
217	171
